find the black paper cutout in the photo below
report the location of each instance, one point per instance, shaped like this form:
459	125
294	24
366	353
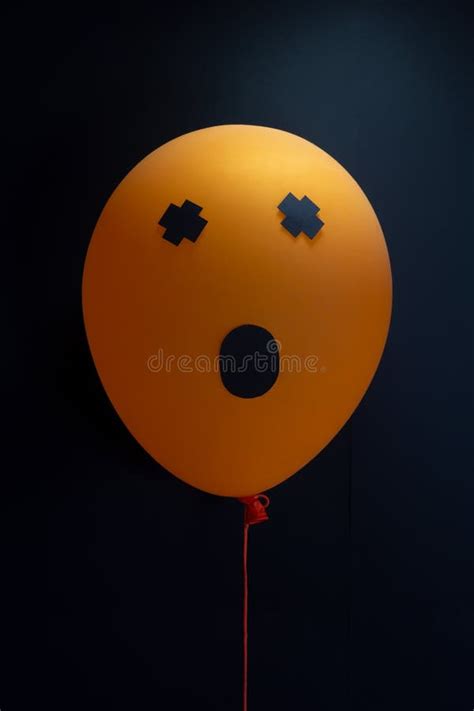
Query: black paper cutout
181	222
249	361
300	216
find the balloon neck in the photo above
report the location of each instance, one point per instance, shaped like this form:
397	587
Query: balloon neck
255	508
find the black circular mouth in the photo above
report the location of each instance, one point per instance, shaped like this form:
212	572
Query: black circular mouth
249	361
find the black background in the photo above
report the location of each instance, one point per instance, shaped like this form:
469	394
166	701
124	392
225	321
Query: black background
121	585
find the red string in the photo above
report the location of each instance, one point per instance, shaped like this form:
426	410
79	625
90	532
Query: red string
246	611
255	512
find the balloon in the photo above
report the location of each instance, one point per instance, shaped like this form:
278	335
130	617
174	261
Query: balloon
236	297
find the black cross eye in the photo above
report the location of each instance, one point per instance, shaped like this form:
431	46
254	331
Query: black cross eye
184	221
300	216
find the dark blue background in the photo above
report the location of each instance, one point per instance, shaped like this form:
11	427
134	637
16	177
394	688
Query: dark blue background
121	585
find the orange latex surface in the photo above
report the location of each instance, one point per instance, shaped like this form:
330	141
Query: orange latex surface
146	301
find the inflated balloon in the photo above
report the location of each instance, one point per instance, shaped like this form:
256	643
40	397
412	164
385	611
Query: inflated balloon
237	297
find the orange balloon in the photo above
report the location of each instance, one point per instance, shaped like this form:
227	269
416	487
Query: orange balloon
195	257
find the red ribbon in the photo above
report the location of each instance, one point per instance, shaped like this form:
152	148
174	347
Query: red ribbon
255	512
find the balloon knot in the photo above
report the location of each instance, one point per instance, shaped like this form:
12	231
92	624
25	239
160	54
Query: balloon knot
255	508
